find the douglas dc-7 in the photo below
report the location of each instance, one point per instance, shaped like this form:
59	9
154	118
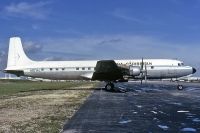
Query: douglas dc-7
110	71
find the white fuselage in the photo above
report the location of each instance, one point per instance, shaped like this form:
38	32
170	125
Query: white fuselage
19	64
75	70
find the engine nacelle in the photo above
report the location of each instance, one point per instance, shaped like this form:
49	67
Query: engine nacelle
134	70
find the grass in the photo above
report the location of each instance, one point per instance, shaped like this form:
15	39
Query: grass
8	87
27	106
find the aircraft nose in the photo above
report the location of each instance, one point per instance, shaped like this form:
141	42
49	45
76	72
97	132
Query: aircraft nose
193	70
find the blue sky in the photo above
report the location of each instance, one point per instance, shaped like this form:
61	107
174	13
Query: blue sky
102	29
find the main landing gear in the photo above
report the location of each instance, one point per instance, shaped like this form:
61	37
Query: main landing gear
109	86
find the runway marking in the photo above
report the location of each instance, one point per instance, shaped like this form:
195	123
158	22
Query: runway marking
188	129
125	121
183	111
154	112
196	120
164	127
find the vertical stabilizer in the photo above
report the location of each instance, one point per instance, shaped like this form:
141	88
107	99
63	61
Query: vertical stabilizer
16	54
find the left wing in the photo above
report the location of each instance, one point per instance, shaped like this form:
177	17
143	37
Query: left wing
107	70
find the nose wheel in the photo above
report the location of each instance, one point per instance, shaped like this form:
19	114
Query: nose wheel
180	87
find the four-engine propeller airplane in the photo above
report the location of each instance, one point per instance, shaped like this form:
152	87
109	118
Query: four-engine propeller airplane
110	71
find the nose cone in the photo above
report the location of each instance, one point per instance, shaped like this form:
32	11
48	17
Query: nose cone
193	70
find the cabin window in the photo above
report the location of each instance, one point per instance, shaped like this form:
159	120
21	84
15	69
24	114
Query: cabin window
77	68
179	64
42	69
83	68
63	69
57	69
152	67
50	69
89	68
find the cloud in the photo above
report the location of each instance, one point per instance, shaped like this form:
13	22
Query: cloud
3	60
31	47
24	9
35	27
2	53
125	14
123	46
53	58
106	42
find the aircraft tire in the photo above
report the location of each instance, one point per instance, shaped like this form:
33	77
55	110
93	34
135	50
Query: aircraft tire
180	87
109	87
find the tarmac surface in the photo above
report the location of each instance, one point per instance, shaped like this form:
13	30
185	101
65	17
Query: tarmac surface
157	107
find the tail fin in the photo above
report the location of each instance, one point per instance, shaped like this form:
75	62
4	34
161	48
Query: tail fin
16	54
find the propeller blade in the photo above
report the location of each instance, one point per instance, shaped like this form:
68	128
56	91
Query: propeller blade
142	64
145	73
141	70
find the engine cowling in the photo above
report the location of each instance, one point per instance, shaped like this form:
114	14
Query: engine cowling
134	70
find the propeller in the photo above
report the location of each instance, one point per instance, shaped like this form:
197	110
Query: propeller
143	71
145	74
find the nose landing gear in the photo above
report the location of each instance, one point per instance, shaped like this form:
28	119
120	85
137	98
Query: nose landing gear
180	87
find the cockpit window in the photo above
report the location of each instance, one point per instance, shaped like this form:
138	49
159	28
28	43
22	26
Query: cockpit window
181	64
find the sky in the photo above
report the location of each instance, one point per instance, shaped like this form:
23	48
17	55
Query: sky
102	29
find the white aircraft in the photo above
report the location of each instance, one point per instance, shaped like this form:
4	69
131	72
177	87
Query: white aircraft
110	71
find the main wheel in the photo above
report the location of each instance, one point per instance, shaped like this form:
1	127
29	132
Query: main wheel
180	87
109	87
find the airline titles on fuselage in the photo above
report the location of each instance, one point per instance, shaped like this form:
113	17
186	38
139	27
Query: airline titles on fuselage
135	63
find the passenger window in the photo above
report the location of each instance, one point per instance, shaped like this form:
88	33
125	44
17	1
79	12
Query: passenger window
89	68
83	68
77	68
57	69
152	67
42	69
63	69
51	69
179	64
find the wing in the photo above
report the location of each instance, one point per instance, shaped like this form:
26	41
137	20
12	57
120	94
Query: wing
107	70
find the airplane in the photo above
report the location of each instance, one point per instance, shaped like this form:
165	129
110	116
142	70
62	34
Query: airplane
110	71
